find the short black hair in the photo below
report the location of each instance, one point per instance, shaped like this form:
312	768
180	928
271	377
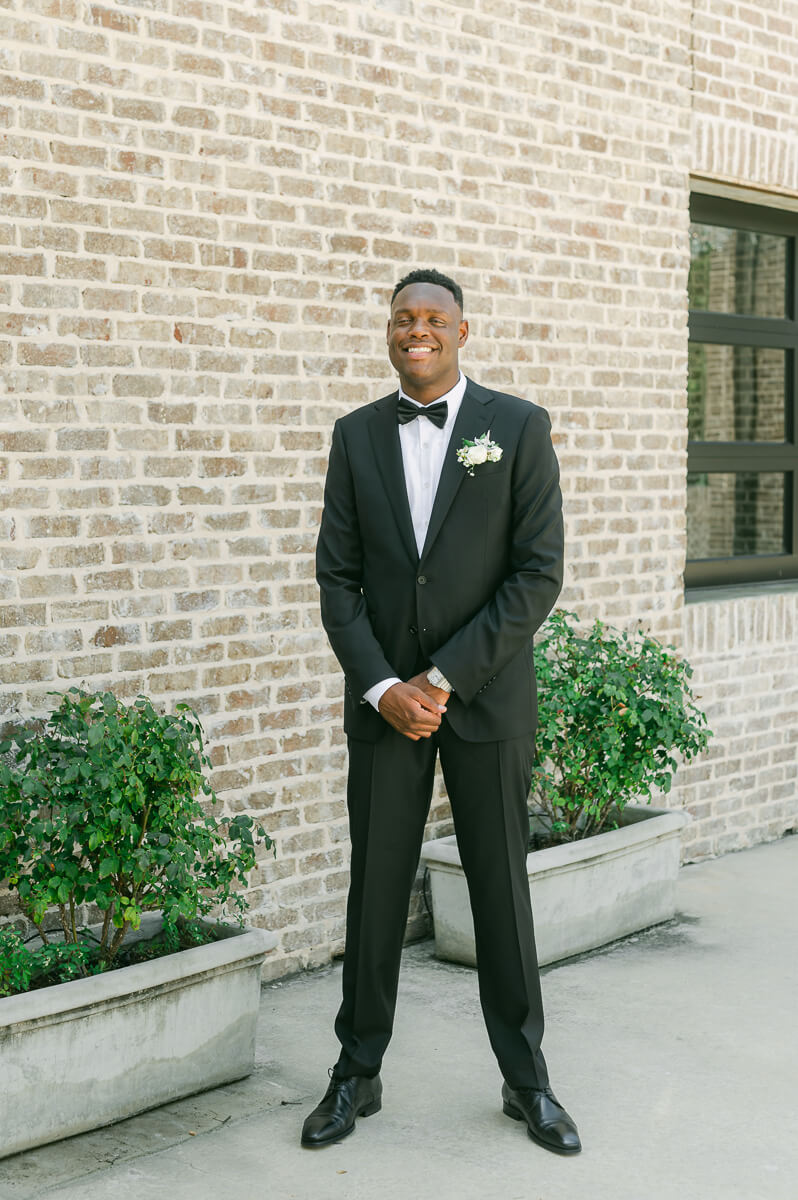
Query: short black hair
430	275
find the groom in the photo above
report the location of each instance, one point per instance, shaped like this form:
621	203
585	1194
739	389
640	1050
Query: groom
436	568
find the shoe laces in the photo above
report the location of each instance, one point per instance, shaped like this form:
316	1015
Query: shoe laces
533	1091
336	1081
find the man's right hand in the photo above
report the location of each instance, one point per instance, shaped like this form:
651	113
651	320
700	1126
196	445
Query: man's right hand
410	711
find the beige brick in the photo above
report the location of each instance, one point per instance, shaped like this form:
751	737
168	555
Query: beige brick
33	586
111	18
25	614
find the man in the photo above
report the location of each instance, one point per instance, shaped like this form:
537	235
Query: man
436	569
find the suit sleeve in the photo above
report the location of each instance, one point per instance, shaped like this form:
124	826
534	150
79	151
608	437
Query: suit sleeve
339	563
473	655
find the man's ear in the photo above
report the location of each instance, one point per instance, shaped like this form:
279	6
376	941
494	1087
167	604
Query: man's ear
388	330
463	336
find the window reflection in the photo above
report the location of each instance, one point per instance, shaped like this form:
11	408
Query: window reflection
735	393
737	271
735	513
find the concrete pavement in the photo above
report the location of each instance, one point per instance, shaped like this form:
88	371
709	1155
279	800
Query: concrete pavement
675	1050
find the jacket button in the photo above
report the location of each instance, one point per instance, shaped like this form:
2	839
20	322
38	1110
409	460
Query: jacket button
422	579
413	629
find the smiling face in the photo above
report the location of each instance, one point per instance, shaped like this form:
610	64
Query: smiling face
425	332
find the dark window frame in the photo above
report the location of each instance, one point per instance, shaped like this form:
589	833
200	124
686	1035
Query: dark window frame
731	329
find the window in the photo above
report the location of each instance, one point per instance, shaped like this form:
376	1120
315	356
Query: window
742	464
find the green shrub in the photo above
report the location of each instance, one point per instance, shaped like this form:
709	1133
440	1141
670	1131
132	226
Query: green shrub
615	709
22	969
98	805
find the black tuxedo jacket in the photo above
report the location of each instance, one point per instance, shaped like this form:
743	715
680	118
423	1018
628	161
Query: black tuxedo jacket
488	575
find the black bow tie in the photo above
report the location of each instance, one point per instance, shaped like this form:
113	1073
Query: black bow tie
407	411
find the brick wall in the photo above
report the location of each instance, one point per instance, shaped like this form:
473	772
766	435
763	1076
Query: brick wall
204	208
744	96
743	650
744	643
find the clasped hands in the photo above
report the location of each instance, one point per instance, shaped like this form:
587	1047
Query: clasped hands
414	708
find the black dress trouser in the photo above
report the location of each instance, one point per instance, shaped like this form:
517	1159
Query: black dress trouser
389	792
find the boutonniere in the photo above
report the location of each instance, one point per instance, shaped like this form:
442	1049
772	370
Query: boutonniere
473	453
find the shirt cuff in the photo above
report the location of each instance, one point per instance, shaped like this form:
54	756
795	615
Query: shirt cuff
376	693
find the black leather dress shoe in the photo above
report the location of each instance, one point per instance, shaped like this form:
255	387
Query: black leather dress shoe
346	1098
546	1119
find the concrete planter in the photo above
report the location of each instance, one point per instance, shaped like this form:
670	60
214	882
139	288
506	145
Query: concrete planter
93	1051
584	894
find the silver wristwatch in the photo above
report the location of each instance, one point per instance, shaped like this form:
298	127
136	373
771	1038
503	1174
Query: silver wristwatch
439	680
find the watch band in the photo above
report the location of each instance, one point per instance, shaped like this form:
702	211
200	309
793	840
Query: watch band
439	680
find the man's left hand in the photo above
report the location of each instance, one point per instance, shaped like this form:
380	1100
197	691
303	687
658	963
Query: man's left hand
438	694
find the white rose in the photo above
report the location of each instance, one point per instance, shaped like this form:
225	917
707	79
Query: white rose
477	455
494	454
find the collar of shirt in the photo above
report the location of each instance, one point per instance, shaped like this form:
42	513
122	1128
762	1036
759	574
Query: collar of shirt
454	399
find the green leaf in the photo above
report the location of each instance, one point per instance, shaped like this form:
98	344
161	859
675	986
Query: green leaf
614	710
101	799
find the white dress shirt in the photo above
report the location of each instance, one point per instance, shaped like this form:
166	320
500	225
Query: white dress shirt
423	451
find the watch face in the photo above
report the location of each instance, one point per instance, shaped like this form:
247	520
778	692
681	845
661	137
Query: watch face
438	679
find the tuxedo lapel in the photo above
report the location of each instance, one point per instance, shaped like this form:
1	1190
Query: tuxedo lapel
473	419
384	434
